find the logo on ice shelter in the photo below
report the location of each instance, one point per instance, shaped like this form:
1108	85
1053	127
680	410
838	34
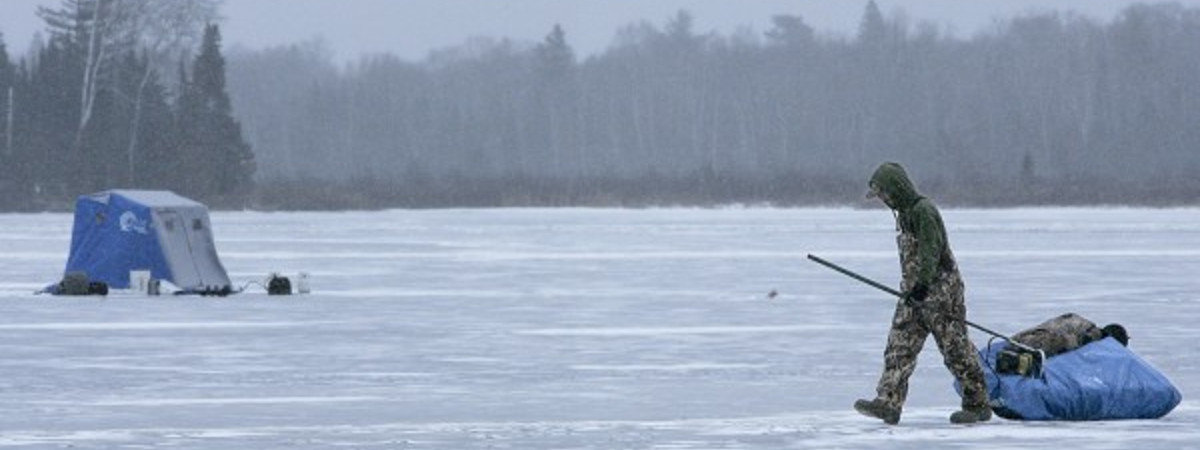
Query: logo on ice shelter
130	223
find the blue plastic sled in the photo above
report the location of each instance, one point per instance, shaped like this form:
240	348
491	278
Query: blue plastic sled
1099	381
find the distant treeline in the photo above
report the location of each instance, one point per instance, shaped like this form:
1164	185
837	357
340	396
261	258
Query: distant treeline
88	108
1039	109
1049	108
782	190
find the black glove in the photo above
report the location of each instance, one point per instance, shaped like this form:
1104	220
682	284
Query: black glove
916	295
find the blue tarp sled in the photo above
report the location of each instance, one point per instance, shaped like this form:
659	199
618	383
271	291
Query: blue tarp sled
1103	380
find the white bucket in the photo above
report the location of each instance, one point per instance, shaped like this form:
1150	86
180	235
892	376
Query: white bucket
139	281
302	283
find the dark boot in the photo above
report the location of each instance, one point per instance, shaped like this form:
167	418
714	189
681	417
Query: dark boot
971	415
879	410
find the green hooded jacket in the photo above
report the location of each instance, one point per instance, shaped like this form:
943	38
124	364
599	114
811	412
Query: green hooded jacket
917	216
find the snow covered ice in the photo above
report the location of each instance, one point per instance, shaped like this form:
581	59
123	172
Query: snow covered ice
573	328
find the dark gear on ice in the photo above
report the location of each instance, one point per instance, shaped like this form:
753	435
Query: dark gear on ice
1068	332
933	303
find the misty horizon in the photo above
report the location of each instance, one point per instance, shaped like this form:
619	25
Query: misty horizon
412	30
1042	108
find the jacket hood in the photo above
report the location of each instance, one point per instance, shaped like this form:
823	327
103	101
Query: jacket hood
891	180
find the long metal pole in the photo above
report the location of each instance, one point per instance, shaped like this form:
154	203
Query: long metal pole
1041	355
896	293
847	272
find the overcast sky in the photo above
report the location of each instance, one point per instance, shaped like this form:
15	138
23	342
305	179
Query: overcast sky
410	28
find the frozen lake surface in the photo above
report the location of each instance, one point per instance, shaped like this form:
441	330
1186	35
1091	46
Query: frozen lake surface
573	328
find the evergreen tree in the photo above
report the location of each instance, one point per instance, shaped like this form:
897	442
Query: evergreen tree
555	64
157	162
790	31
872	29
53	108
7	82
679	28
7	74
217	162
555	56
13	181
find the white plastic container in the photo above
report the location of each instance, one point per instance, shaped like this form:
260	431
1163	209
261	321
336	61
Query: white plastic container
139	281
302	283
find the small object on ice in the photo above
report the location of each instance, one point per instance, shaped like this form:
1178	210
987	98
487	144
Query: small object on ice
772	294
74	283
302	283
77	283
279	285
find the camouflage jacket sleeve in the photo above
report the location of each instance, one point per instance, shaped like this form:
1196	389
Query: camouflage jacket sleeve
931	240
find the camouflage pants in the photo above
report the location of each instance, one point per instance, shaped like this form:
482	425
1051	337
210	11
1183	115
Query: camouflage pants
943	314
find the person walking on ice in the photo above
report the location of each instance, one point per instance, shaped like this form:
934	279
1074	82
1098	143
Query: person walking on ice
933	303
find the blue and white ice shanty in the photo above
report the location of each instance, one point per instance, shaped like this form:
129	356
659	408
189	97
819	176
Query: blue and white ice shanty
119	231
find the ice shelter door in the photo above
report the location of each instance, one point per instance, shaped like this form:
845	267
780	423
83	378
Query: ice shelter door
177	249
203	249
